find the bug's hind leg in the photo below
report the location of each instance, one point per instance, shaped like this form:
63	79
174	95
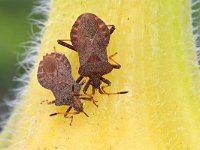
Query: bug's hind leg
65	114
117	65
115	93
108	84
112	29
90	99
65	44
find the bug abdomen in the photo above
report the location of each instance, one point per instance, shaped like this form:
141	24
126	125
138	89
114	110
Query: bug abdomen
95	69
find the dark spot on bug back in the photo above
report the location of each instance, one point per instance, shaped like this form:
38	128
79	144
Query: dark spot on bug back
93	58
46	71
49	65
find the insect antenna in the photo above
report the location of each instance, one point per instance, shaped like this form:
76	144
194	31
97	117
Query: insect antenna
77	102
65	115
85	113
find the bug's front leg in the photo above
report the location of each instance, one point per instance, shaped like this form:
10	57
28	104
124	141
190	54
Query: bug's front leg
65	114
79	79
65	44
51	102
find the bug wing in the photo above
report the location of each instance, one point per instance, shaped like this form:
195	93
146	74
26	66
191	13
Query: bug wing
90	36
63	92
54	69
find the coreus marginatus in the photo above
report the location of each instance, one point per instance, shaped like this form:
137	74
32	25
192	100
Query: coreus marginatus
90	37
54	73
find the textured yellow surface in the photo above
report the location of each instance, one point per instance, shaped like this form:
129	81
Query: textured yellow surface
153	39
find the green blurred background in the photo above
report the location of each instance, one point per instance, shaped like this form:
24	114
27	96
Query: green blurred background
14	29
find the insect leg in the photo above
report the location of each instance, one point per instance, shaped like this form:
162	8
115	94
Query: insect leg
52	102
112	29
108	84
66	113
84	95
68	110
79	79
61	42
72	117
78	95
86	87
90	99
117	66
107	93
100	91
77	102
105	81
93	90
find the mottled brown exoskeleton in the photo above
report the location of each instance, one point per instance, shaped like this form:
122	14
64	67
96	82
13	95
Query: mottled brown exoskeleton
54	73
90	37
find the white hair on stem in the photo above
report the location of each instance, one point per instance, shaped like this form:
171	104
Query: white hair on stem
195	17
41	7
196	25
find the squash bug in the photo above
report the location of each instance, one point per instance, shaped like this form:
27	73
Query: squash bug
54	73
90	37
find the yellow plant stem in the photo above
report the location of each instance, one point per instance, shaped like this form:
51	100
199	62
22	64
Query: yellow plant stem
155	48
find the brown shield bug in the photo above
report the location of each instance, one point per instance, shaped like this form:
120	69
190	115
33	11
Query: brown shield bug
90	37
54	73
